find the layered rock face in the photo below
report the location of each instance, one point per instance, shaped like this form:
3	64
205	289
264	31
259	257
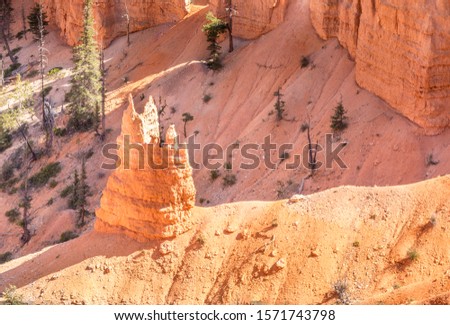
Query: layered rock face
151	193
402	51
253	18
110	16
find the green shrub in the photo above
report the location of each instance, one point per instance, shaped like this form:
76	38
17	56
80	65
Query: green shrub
304	62
207	98
229	180
54	71
5	257
13	215
12	297
16	50
50	202
60	132
5	140
67	235
413	255
7	172
53	183
66	191
45	174
214	174
13	67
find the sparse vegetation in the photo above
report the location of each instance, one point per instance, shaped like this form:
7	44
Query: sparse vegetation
213	29
412	254
67	235
5	257
228	165
304	62
214	174
34	21
279	104
45	174
50	202
355	244
60	132
13	215
53	183
5	139
340	287
430	161
207	98
229	180
12	297
187	117
53	72
66	191
339	118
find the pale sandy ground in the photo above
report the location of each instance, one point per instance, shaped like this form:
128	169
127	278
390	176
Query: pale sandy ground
383	149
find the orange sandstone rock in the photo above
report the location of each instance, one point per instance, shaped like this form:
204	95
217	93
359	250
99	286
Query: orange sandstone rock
253	18
143	201
402	51
110	16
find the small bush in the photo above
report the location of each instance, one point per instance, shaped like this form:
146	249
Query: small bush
430	161
16	50
13	67
229	180
50	202
12	297
284	155
45	174
53	183
413	255
202	200
207	98
340	287
66	191
54	71
67	235
5	257
7	172
13	215
60	132
304	62
228	165
356	244
214	174
5	140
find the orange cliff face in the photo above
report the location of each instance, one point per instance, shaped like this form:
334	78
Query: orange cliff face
140	200
110	16
402	51
252	18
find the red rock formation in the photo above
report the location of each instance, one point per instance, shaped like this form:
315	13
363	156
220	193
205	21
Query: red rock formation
402	51
110	16
253	18
143	201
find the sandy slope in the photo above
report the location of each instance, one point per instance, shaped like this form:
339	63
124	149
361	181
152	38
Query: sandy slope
383	148
360	235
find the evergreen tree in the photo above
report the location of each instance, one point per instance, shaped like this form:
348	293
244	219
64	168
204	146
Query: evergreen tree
338	120
6	19
83	194
85	94
187	117
213	29
35	22
74	198
279	104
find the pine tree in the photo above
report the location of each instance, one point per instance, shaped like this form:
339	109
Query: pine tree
213	29
36	23
74	197
6	19
85	94
187	117
83	194
338	120
279	104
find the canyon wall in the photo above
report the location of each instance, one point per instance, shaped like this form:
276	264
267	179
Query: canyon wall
252	18
401	49
151	192
110	16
